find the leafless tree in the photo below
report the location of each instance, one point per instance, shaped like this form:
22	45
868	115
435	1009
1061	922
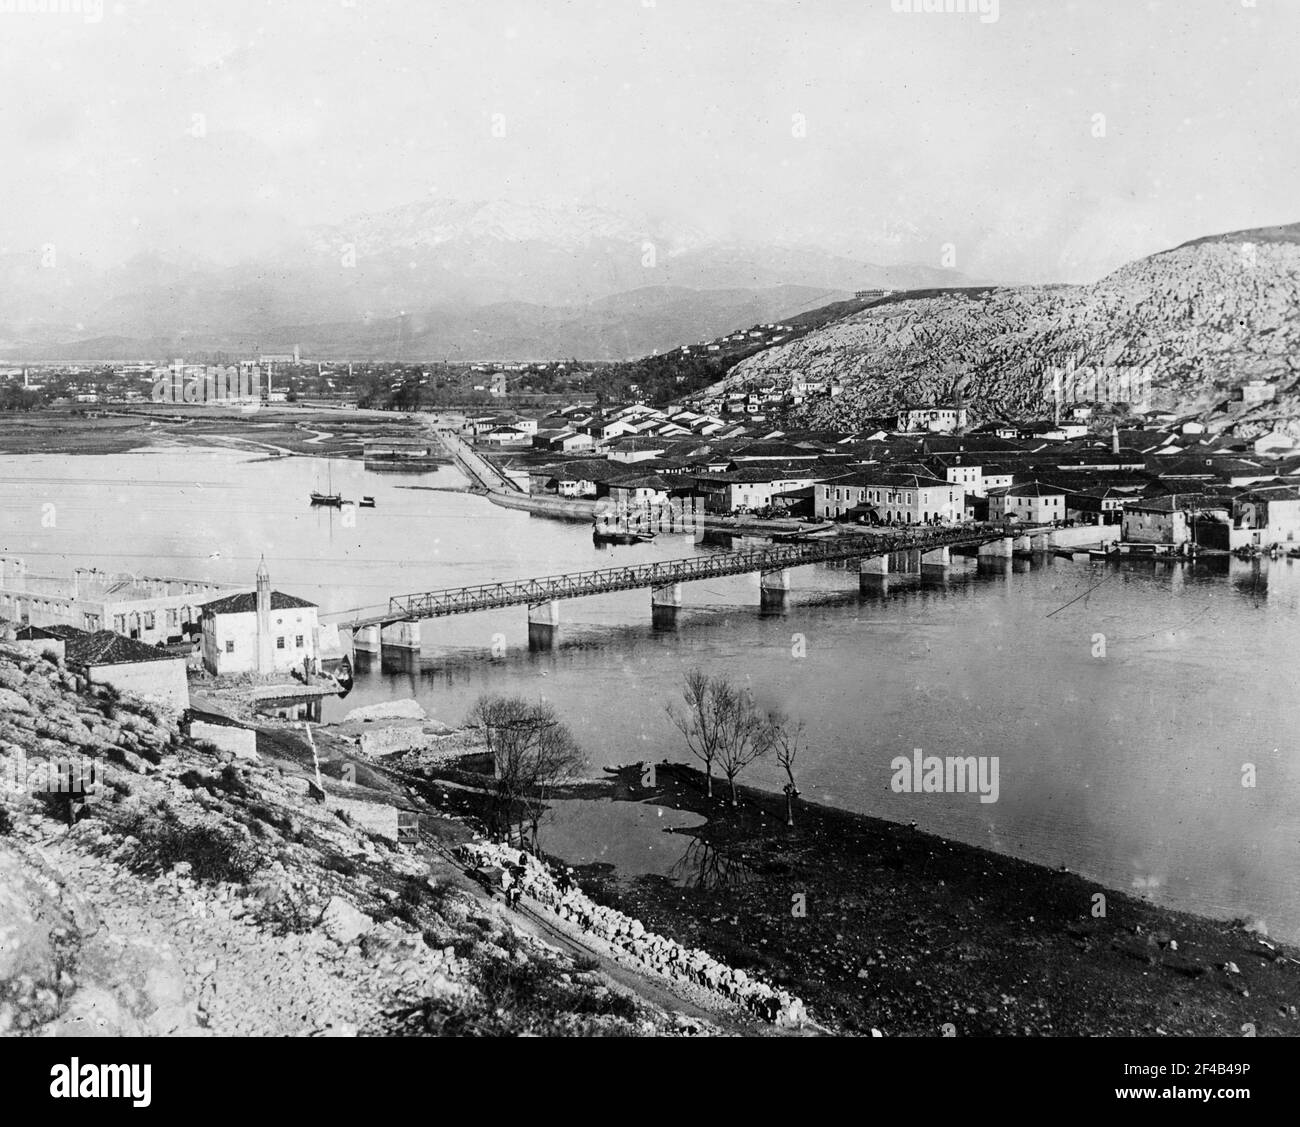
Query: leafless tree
745	736
787	741
708	700
532	753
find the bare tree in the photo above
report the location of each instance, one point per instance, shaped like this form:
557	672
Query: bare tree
532	753
744	736
787	741
707	699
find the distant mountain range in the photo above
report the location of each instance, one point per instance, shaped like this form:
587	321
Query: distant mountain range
438	280
1178	331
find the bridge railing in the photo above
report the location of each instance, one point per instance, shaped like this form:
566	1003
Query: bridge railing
568	585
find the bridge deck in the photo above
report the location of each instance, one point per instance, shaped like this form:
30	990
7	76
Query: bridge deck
580	584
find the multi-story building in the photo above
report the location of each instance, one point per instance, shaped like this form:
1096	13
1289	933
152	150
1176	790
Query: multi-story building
149	609
883	497
1032	503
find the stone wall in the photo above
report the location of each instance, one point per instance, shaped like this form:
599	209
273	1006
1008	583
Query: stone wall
666	956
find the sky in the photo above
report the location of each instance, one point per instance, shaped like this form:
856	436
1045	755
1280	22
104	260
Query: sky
1053	142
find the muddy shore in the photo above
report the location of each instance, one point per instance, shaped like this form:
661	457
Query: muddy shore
877	925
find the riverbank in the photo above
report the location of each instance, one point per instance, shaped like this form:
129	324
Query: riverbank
915	935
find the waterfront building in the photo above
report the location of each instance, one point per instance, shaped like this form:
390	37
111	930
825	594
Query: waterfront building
1270	512
1172	519
879	495
260	631
151	609
1032	503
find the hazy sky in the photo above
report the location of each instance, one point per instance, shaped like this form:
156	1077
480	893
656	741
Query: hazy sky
919	129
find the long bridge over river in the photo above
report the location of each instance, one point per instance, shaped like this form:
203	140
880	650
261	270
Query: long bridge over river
399	625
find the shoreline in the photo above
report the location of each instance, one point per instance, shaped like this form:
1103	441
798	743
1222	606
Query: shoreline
909	932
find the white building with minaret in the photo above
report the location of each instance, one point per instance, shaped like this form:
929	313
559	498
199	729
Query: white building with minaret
260	631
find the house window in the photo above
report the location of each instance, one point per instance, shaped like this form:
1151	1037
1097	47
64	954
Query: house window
119	623
148	620
298	641
230	645
279	643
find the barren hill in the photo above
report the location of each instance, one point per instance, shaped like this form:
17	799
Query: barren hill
1176	331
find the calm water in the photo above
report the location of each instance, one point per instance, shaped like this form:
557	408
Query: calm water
1127	767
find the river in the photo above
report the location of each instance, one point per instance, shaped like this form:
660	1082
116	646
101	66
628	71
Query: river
1127	705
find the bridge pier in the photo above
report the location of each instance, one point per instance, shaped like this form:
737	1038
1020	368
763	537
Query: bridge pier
401	636
1020	544
664	604
773	586
666	596
1041	544
543	619
541	636
873	573
996	549
544	614
366	640
940	558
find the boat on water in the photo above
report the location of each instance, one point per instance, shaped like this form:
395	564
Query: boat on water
367	502
331	499
817	531
620	536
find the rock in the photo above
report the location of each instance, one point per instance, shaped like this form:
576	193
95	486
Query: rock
388	710
343	922
10	701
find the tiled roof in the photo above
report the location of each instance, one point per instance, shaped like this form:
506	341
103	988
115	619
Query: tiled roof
246	601
104	647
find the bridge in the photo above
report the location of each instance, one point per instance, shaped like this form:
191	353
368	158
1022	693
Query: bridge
664	578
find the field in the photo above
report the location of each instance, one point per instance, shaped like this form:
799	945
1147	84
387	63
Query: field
274	429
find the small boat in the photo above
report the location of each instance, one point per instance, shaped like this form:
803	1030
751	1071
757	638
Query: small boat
816	531
332	499
620	536
367	502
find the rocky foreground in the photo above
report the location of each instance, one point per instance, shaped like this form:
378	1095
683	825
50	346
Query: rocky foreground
199	894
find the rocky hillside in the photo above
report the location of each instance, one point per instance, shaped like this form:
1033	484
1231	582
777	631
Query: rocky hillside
1175	331
204	894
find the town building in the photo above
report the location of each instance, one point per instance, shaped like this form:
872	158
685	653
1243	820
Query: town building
931	417
148	672
261	631
152	609
878	496
1270	512
1031	503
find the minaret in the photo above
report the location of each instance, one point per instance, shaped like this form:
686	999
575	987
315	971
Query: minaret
1114	438
264	650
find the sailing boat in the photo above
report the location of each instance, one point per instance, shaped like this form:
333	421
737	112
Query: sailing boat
331	498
